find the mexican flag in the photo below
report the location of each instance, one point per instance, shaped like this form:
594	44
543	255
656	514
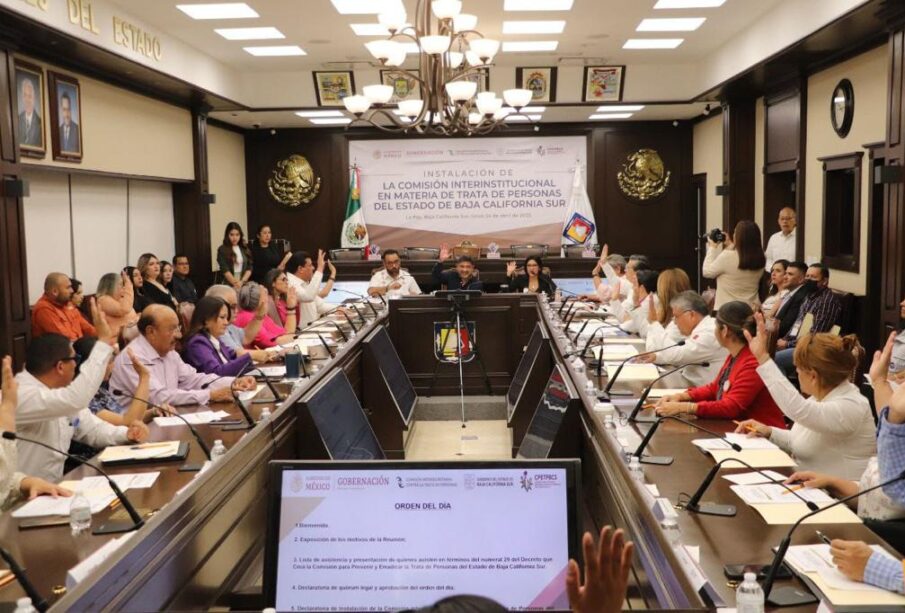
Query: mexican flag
354	232
579	227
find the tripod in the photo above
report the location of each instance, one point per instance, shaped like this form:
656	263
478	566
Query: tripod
459	320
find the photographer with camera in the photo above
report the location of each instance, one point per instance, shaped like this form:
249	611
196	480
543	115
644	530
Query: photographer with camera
736	264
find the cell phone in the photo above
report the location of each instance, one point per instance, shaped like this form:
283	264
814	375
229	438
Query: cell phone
737	572
823	537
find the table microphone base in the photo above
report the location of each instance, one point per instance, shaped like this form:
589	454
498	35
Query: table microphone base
711	508
226	422
789	596
659	460
238	426
189	468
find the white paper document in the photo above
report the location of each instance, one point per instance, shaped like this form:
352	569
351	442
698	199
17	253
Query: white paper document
614	351
818	559
200	417
765	476
742	440
146	451
274	372
95	489
633	372
774	493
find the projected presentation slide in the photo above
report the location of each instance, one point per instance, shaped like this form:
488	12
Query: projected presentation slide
382	540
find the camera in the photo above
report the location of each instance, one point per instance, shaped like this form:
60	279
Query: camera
716	235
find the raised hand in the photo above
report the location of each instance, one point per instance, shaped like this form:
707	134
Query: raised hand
332	268
10	395
879	368
510	268
758	344
606	570
321	260
444	252
100	324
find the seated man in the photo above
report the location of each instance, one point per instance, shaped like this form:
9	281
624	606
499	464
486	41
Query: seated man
172	380
53	313
53	408
182	287
462	278
392	280
692	318
821	303
787	309
305	281
13	484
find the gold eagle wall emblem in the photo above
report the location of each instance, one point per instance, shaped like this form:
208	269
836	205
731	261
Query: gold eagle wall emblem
293	183
643	176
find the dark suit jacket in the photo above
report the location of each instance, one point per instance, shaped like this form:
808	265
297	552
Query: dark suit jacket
450	278
71	143
544	284
30	137
789	312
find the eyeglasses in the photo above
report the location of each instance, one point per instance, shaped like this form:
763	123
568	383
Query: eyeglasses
73	358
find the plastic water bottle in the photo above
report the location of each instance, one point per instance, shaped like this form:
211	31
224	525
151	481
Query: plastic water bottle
609	424
635	470
749	597
23	605
79	513
671	531
579	365
265	414
590	389
218	451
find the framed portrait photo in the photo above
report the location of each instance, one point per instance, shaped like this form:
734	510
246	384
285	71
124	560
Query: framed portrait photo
603	83
541	81
332	87
65	117
405	87
29	99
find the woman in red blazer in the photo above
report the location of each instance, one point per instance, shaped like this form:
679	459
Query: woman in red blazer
738	392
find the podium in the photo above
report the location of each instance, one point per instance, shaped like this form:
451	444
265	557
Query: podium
501	323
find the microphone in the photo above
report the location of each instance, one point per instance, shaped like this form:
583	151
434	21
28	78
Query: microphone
112	527
37	601
185	467
341	331
790	595
728	510
273	390
360	296
667	460
633	417
601	317
212	381
326	346
249	420
573	297
587	345
364	321
348	319
627	360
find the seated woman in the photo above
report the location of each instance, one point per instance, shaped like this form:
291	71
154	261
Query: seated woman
153	288
283	306
534	280
166	275
271	333
115	299
874	505
738	391
834	429
105	405
139	301
203	350
776	293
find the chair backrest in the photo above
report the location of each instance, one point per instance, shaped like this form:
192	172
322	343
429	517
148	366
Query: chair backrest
847	317
523	251
472	251
346	255
577	251
421	253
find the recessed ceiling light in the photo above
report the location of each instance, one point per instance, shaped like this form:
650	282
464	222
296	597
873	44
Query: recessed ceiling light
367	7
275	50
684	24
530	45
249	33
309	114
523	118
338	121
533	27
611	116
653	43
221	10
619	108
688	4
537	5
369	29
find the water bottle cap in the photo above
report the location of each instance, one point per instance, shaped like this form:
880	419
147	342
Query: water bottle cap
23	602
669	522
635	461
750	577
605	408
218	441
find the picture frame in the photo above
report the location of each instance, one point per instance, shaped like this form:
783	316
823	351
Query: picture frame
332	86
404	86
603	83
481	76
541	80
29	109
65	103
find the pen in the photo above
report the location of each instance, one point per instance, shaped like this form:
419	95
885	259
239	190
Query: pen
748	427
150	445
822	537
794	488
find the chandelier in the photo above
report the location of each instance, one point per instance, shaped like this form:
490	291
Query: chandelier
452	59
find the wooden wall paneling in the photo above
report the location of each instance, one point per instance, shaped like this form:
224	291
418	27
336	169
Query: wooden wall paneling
738	161
192	216
893	221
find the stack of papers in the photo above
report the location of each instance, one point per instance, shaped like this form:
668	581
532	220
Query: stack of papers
765	476
95	489
633	372
788	514
274	372
742	440
147	451
201	417
662	392
774	493
614	351
250	394
625	339
759	453
816	563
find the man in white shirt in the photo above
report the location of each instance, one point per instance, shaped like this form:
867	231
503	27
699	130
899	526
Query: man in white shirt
305	281
692	318
781	245
52	407
391	280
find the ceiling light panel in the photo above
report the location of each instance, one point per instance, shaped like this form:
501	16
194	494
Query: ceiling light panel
249	33
620	108
367	7
653	43
611	116
275	51
537	5
515	46
533	27
220	10
310	114
523	118
369	29
688	4
683	24
338	121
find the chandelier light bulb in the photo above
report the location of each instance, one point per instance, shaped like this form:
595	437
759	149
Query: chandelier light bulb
411	108
485	48
455	59
398	57
383	49
460	91
378	94
435	44
464	22
446	9
356	104
394	21
474	118
489	105
517	98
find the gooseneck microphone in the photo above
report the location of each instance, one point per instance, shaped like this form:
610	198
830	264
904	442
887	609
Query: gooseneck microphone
277	397
667	460
604	325
565	302
362	297
633	417
790	596
627	360
330	352
348	319
37	601
112	527
601	317
695	505
185	467
249	420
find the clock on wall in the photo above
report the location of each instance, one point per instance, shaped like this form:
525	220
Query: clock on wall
842	107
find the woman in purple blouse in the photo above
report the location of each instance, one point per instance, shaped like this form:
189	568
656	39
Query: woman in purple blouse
203	350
